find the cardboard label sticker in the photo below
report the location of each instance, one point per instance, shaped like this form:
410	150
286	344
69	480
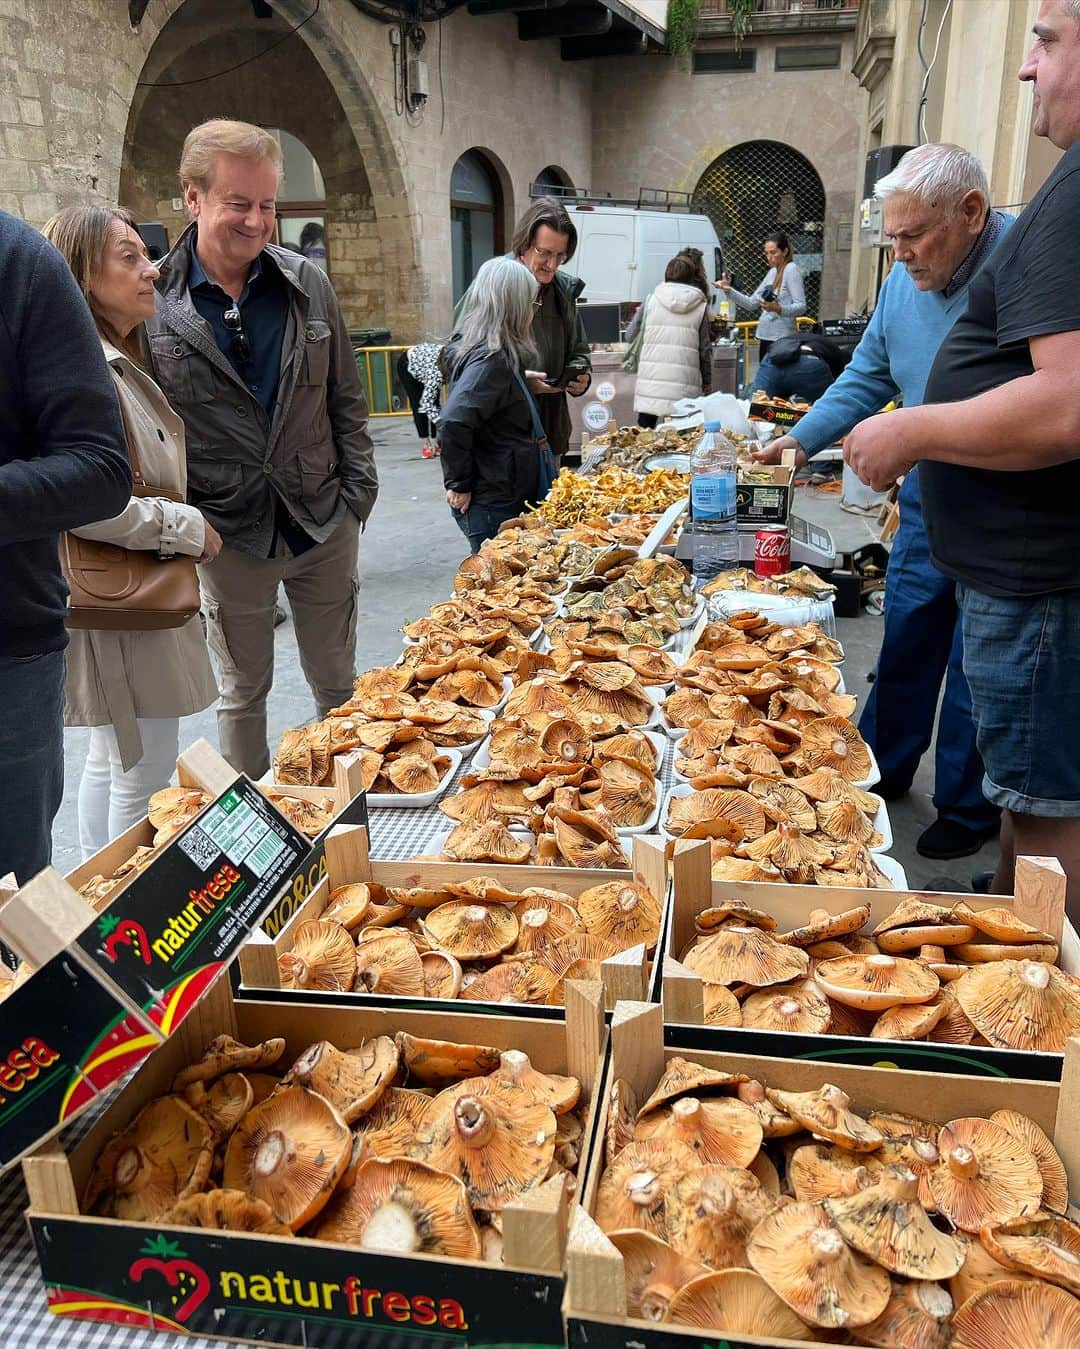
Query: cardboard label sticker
168	935
596	416
605	391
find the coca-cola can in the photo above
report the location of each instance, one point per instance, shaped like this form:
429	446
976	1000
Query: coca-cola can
772	550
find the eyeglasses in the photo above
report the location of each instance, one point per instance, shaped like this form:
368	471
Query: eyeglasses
548	255
241	347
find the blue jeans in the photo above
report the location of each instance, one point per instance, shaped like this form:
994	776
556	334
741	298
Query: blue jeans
922	645
805	377
31	759
1022	658
480	522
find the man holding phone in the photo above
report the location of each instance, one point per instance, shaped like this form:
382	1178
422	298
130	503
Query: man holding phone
544	240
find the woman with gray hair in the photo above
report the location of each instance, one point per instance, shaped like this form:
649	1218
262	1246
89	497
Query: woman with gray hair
493	446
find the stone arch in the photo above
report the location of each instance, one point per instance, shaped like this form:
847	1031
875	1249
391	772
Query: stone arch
506	189
754	188
551	177
334	111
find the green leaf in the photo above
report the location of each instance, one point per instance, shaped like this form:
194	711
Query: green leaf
107	924
162	1248
683	19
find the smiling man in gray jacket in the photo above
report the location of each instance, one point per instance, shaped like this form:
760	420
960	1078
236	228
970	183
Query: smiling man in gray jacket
251	349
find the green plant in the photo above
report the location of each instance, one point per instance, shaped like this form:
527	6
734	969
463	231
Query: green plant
740	12
683	18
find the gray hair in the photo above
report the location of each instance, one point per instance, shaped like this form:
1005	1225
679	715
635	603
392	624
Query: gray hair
499	313
939	175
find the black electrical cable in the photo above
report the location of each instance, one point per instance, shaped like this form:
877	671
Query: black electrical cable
203	79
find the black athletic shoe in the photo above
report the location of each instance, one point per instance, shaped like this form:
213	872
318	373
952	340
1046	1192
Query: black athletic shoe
945	840
891	791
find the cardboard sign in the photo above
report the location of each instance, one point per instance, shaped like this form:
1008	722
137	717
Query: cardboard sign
63	1038
312	868
288	1292
180	922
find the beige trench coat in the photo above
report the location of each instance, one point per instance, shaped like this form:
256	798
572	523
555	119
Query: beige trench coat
115	677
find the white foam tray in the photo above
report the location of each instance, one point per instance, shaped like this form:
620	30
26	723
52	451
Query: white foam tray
413	800
483	754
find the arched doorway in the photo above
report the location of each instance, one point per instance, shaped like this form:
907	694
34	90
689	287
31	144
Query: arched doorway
476	218
551	182
755	188
208	59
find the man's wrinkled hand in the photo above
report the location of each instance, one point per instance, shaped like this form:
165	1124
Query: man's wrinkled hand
772	451
876	450
577	385
459	500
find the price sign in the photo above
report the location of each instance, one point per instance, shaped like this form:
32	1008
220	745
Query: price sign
605	391
596	416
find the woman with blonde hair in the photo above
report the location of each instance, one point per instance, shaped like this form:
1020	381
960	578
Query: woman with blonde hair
132	687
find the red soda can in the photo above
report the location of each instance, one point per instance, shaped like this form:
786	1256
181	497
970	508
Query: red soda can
772	550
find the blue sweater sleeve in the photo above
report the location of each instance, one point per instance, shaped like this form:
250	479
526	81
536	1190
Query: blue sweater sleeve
864	388
80	472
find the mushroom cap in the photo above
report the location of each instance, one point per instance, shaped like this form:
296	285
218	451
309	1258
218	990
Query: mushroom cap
910	1021
1055	1180
711	1211
825	1114
654	1270
225	1055
1000	924
348	905
619	1128
886	1222
542	921
979	1271
734	1301
800	1007
708	920
322	957
388	962
439	1062
1028	1315
721	1006
775	1123
979	953
833	742
787	848
559	1094
520	980
819	1171
916	1317
739	953
290	1151
226	1211
471	931
224	1104
913	912
739	809
488	842
799	1252
825	926
351	1081
624	912
633	1189
402	1207
720	1130
1045	1246
389	1127
163	1155
499	1142
782	801
681	1077
844	821
874	983
896	940
1021	1004
984	1175
441	973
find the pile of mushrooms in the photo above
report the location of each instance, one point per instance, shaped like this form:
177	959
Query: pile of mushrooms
477	940
738	1208
955	976
401	1145
624	600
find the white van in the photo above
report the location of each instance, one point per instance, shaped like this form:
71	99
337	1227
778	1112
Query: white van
622	250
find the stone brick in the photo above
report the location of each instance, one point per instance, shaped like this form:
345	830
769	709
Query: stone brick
9	109
49	58
39	206
66	97
30	112
26	142
16	175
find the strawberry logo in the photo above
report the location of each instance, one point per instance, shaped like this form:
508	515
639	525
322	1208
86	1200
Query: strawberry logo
118	932
190	1282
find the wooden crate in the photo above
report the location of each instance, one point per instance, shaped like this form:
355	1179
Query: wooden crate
596	1279
276	1290
629	974
1039	900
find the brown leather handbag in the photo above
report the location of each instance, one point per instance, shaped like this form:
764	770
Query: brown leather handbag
118	589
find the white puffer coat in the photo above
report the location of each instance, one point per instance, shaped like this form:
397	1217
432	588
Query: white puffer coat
669	367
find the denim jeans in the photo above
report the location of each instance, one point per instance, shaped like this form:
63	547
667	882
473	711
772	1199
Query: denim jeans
480	522
31	759
805	377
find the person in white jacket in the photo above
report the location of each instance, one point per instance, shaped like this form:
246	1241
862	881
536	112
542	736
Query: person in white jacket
676	355
781	296
132	687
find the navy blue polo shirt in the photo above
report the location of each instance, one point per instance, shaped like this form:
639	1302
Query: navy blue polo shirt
264	312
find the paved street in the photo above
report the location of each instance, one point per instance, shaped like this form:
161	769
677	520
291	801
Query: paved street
407	559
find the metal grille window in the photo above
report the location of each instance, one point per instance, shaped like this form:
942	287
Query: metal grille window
724	62
754	189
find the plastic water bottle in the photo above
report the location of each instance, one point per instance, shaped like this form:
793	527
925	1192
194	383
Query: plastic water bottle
712	504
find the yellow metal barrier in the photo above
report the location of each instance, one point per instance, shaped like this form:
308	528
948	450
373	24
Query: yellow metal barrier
744	327
378	373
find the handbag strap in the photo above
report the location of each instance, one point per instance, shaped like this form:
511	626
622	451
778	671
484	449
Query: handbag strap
137	478
537	424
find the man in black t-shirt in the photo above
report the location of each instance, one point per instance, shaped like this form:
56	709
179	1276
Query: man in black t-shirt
998	443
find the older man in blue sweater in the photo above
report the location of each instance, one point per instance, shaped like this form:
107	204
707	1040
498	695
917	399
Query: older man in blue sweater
937	214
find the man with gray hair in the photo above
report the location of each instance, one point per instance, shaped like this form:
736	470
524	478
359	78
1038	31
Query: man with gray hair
937	214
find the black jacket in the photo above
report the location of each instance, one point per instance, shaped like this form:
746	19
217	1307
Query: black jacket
486	433
63	457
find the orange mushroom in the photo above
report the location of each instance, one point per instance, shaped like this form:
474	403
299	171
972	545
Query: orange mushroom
559	1094
388	962
1028	1315
1055	1180
634	1187
1046	1246
1021	1004
984	1176
322	957
799	1007
226	1211
916	1317
225	1055
681	1077
721	1130
623	912
711	1211
439	1062
742	954
162	1156
352	1082
886	1222
735	1301
654	1272
875	983
825	1114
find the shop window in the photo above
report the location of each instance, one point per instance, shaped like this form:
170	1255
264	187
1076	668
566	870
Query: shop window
475	218
301	222
728	62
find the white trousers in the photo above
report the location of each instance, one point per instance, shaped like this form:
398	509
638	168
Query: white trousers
110	800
